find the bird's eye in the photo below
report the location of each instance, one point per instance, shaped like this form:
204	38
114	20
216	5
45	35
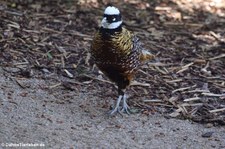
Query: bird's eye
114	19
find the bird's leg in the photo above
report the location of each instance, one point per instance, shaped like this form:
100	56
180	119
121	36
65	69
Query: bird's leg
117	107
125	105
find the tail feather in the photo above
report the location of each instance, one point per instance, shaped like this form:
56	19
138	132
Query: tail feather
146	55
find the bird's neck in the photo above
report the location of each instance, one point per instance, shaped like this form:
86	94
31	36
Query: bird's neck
106	31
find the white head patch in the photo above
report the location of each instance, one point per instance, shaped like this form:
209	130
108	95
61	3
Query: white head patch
113	24
111	10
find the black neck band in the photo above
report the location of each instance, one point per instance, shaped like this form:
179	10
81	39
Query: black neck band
111	31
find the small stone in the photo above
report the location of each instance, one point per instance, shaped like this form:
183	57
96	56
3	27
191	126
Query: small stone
207	134
209	125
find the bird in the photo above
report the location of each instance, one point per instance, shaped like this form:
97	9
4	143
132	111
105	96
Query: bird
118	53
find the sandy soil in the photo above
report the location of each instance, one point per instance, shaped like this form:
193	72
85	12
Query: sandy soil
59	118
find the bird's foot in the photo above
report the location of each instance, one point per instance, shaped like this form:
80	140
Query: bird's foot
114	111
125	105
119	109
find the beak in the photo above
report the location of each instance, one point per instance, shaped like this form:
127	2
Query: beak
104	22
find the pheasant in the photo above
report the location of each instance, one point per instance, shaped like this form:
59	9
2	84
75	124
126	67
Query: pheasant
118	54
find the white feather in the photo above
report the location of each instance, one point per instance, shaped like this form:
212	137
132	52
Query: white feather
107	25
111	10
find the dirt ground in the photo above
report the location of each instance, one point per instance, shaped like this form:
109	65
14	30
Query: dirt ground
51	94
60	118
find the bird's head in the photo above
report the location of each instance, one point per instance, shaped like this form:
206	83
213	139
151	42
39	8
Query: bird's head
112	18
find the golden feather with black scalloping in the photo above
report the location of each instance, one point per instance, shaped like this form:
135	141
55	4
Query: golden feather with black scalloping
117	54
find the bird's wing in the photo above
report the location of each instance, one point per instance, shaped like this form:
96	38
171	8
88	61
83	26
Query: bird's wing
144	53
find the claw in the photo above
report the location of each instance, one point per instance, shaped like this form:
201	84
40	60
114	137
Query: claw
125	105
117	107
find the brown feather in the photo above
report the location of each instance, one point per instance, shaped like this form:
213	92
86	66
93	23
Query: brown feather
117	56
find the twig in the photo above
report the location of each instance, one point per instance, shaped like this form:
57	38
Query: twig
95	78
198	91
192	99
153	100
217	37
160	70
56	85
183	68
217	57
176	113
212	94
173	81
217	110
135	83
191	105
14	13
70	75
182	89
